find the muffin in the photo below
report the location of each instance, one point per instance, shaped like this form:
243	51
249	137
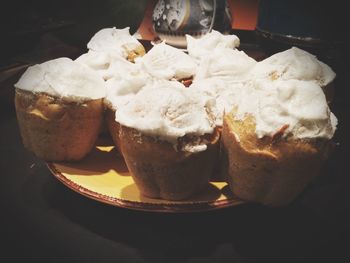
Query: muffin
225	63
168	139
108	49
276	140
59	109
296	63
117	40
168	63
162	62
201	47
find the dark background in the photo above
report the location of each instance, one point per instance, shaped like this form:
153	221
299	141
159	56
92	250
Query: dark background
72	21
41	220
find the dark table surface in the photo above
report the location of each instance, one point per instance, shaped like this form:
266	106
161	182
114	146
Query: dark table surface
44	221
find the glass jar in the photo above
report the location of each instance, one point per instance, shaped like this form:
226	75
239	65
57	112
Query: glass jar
173	19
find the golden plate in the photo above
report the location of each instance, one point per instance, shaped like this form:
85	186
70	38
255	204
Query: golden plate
103	176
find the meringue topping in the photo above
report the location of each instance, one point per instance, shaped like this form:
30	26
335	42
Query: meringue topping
64	78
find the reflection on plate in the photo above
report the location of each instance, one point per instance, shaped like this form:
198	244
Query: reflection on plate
103	176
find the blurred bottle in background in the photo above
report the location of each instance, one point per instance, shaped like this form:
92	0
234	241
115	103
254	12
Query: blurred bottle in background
173	19
315	26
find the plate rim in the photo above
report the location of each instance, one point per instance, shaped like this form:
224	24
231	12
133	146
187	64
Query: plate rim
143	206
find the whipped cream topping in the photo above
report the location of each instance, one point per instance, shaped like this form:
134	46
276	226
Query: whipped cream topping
126	80
101	62
294	63
166	62
120	91
116	97
225	92
109	65
227	63
114	40
199	47
64	78
169	111
283	90
298	105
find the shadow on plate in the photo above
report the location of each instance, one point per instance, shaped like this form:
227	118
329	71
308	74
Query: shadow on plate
101	160
210	193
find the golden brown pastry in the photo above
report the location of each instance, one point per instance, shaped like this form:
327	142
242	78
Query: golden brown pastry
272	170
59	106
169	140
113	126
57	130
160	171
276	140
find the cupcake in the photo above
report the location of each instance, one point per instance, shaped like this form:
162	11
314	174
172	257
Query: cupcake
276	139
59	109
168	140
168	63
162	62
108	48
204	45
225	63
117	40
298	64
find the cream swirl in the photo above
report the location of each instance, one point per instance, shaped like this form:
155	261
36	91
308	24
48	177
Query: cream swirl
225	63
166	62
64	78
294	63
169	111
102	62
114	40
225	92
298	105
200	47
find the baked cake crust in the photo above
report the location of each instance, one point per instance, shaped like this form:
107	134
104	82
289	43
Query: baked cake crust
113	126
160	171
57	130
272	170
